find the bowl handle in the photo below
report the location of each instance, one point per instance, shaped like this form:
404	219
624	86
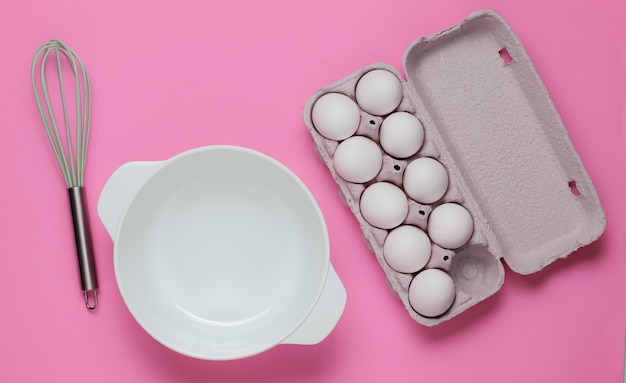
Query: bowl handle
118	190
325	314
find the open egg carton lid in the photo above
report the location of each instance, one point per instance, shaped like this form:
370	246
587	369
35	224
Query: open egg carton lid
489	120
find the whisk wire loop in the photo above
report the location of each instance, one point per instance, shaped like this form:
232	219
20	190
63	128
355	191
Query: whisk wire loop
47	121
67	122
71	154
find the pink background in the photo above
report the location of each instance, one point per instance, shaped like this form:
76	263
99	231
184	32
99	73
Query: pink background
168	76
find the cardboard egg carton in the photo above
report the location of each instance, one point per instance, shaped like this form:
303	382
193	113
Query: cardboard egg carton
489	120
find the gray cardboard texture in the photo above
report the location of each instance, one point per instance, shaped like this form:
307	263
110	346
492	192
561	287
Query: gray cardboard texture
490	121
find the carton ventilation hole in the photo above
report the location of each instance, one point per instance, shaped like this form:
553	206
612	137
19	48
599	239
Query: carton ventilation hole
397	167
372	122
573	188
506	57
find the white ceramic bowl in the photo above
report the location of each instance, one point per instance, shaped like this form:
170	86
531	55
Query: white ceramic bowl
221	252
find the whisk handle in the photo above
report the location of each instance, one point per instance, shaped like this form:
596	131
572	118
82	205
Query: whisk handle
84	247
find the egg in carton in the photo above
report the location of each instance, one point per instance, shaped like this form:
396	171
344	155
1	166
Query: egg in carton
497	175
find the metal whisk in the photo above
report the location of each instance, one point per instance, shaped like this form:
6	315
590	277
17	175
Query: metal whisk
70	148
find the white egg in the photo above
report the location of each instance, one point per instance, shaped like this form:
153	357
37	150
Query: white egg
401	134
407	249
335	116
425	180
450	225
431	292
384	205
358	159
379	92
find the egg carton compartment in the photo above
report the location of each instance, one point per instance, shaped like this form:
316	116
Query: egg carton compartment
488	119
